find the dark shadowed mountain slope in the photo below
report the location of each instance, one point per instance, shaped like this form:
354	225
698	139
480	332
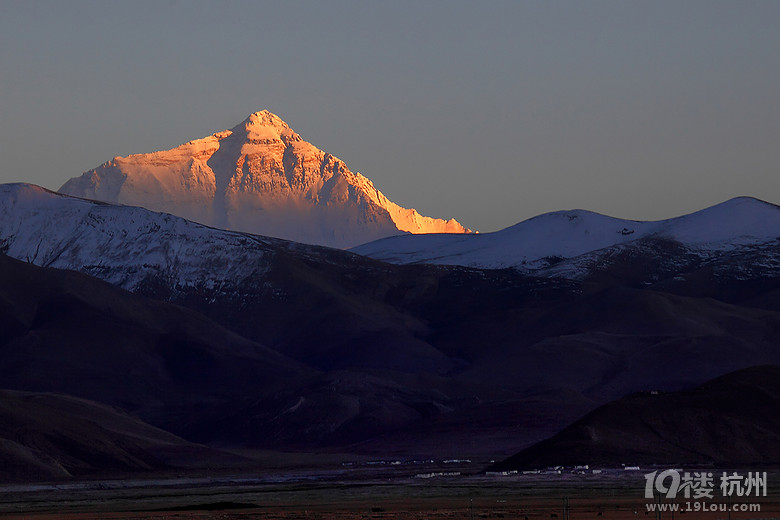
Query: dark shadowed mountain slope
306	301
53	437
732	420
436	355
66	332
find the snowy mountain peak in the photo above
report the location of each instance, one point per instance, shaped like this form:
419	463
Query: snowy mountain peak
535	243
260	177
264	125
265	118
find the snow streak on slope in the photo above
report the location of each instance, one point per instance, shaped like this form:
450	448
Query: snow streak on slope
542	240
123	245
259	177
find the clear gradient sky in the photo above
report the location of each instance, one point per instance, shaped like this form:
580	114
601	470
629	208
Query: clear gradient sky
489	111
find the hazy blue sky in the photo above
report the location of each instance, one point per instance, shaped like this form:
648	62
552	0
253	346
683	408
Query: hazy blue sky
487	111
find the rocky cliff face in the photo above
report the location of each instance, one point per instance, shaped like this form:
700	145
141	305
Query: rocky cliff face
260	177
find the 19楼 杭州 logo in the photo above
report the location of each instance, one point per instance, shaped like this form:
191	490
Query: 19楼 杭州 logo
698	485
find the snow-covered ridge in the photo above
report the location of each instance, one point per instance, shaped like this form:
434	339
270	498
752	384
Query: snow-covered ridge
568	234
124	245
259	177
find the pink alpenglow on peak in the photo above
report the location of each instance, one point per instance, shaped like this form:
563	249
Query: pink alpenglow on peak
259	177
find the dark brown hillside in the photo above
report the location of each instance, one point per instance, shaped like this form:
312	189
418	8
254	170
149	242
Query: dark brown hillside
46	437
69	333
731	421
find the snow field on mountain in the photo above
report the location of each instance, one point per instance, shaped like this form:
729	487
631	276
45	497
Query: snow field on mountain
533	243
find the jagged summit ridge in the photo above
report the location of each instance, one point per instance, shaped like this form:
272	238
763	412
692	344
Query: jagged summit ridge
261	177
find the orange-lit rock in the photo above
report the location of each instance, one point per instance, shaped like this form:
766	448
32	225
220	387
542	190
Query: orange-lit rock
260	177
